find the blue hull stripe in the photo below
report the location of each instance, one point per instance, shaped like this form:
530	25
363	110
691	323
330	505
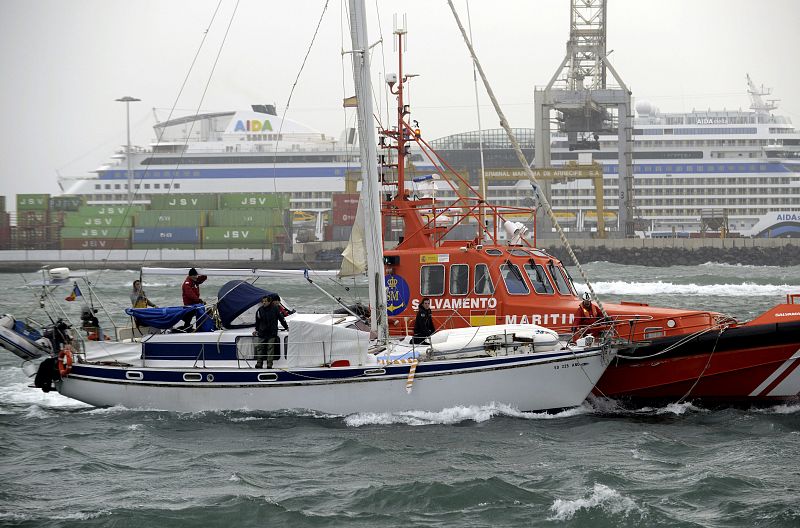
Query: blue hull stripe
166	375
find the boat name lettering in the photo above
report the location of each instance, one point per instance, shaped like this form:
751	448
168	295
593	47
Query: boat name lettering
542	319
712	120
794	217
788	314
461	303
252	126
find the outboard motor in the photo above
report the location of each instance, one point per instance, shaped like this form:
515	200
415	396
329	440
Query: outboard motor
58	336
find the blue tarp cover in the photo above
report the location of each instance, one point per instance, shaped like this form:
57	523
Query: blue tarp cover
166	317
235	297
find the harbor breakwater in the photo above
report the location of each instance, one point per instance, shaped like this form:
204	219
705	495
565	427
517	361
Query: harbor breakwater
327	255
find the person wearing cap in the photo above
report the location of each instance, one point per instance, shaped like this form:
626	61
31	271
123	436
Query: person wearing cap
191	294
266	332
587	312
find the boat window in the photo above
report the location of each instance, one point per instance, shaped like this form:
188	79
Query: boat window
494	252
431	280
537	276
515	284
459	279
561	283
519	252
569	280
539	253
483	282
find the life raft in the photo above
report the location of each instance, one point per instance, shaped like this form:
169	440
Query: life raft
13	340
65	361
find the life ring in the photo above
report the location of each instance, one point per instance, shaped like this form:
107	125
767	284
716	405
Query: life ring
65	361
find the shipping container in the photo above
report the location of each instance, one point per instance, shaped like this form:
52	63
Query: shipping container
165	245
179	218
65	203
76	220
95	243
194	202
345	201
32	218
343	218
253	201
33	202
5	236
110	210
57	217
2	204
166	235
122	233
341	233
5	219
234	237
246	218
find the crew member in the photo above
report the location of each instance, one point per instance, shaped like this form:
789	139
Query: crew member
191	295
267	343
587	312
423	325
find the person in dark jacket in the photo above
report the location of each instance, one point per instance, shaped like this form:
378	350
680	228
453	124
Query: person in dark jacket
423	325
191	295
267	342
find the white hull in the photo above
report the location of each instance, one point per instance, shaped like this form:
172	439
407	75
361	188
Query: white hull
532	384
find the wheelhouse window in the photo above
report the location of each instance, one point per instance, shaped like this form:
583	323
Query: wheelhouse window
459	279
431	280
519	252
512	277
494	252
483	281
561	282
537	276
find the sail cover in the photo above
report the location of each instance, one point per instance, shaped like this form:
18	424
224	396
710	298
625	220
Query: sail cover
235	298
166	317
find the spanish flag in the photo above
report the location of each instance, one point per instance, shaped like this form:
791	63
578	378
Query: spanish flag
76	292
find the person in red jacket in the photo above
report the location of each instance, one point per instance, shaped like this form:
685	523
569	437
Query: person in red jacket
191	295
587	312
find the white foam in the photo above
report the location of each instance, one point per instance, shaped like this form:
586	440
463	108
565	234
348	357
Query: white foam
454	415
603	497
745	289
15	390
677	408
781	409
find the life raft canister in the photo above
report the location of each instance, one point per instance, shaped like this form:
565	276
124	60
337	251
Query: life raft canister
65	361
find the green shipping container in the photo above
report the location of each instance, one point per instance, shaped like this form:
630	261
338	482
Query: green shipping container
109	210
177	218
65	203
233	237
33	202
96	232
2	204
246	217
76	220
194	202
253	201
165	245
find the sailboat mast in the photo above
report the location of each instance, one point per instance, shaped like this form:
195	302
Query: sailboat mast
370	192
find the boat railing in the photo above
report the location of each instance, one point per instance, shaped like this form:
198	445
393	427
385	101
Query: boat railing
645	327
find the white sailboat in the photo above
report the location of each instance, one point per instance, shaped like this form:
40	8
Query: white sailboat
330	363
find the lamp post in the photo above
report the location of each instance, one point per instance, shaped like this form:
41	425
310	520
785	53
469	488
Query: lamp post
128	100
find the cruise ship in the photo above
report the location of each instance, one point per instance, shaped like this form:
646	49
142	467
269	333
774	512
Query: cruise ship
738	169
222	152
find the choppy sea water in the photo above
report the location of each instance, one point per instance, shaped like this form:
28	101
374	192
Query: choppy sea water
67	464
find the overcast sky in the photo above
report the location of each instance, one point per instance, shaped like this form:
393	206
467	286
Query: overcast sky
64	63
